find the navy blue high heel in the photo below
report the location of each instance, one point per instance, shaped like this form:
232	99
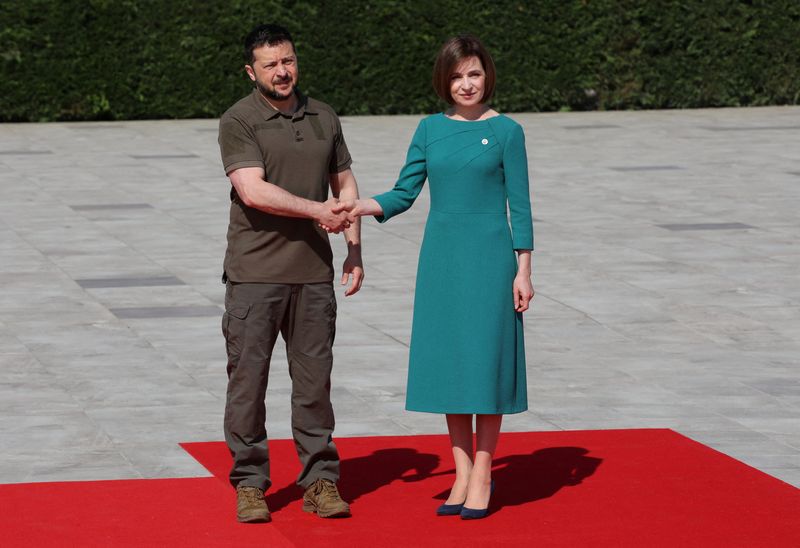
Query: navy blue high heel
449	509
473	513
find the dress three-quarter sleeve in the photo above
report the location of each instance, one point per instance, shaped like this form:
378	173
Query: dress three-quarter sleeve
409	183
515	167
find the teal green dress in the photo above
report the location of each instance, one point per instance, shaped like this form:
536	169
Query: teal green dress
467	350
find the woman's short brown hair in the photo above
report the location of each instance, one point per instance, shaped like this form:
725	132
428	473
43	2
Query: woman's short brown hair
452	53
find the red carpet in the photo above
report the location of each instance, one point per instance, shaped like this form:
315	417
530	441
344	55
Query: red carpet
600	488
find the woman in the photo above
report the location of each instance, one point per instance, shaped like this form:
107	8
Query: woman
467	351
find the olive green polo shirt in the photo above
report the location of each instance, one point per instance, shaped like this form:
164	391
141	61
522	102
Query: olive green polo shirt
298	153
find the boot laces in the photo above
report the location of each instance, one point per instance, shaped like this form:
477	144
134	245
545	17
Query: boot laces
329	488
253	495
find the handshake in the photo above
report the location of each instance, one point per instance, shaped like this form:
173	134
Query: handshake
335	215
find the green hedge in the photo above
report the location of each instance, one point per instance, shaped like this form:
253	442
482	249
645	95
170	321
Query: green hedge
134	59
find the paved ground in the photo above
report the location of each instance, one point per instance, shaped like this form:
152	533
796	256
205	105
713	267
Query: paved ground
666	267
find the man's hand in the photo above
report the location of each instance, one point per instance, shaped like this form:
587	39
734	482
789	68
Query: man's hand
340	208
353	267
332	217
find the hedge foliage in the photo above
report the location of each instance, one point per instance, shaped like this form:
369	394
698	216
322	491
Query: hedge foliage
133	59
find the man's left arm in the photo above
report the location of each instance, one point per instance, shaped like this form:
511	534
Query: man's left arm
345	188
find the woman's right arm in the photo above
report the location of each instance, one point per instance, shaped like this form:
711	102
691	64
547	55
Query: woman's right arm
408	186
409	183
362	207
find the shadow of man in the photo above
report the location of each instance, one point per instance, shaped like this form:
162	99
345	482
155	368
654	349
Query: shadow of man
366	474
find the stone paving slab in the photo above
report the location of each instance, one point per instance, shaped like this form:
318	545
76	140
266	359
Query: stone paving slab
666	276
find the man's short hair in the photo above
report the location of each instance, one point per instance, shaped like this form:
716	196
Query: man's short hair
270	35
451	54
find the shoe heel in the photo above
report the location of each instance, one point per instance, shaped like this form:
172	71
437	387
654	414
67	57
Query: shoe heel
478	513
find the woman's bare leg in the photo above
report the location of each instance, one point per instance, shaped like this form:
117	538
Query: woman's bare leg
460	429
487	428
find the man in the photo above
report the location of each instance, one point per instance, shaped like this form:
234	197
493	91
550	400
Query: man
282	151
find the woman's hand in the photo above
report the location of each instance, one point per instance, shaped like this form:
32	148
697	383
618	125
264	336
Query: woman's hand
356	208
523	288
523	292
341	206
349	206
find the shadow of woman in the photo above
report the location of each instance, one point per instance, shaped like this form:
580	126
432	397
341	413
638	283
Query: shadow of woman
526	478
366	474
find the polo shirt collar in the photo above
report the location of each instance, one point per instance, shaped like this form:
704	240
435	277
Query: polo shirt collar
271	112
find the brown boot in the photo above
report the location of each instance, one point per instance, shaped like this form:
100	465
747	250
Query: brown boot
250	505
323	497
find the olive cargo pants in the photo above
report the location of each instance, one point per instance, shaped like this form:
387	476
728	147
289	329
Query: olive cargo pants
305	315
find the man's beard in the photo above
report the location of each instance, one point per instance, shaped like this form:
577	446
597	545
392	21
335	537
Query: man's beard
272	93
